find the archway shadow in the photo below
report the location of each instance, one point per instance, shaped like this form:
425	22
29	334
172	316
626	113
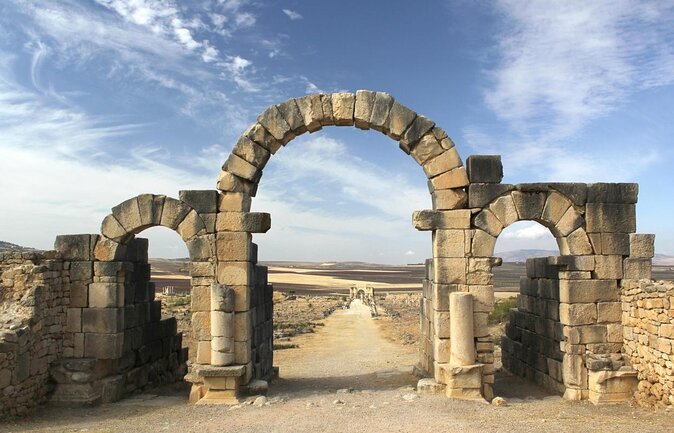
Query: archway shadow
514	388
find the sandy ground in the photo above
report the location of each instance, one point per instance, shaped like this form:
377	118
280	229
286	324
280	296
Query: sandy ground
304	277
350	353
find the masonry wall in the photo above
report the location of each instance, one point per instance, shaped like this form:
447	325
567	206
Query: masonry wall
32	320
648	331
531	346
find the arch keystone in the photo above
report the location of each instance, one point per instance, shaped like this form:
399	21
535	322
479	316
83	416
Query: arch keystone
529	205
343	105
363	108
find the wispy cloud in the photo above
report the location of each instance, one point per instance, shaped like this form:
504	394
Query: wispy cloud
292	14
561	65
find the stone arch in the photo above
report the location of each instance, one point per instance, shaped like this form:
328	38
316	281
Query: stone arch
547	206
416	134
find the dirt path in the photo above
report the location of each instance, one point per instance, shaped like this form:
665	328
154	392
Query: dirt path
349	352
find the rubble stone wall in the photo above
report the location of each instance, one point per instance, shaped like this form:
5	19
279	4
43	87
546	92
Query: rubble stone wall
33	303
648	331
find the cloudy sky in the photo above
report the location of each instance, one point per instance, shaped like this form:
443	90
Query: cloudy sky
103	100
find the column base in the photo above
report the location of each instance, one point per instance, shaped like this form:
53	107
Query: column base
221	385
464	382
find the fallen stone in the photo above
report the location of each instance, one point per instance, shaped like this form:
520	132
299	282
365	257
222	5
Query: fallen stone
499	401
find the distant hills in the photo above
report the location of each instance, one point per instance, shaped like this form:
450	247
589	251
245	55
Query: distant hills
8	246
521	256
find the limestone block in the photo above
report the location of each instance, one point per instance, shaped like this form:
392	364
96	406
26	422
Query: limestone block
233	246
450	270
201	298
441	324
222	325
483	297
612	386
642	246
201	325
572	263
74	247
312	111
234	202
243	326
251	222
578	314
363	108
427	148
637	269
609	312
293	117
251	152
419	127
326	103
103	346
456	178
608	267
242	298
204	352
174	213
481	194
441	219
615	243
612	193
128	215
556	205
463	377
261	136
483	244
484	168
574	371
107	249
106	295
146	208
442	163
529	205
504	209
449	199
441	351
429	386
400	118
234	273
222	298
200	247
441	295
449	243
342	108
74	320
380	111
191	226
488	222
610	218
578	243
229	182
272	120
102	320
79	294
241	168
586	334
222	344
587	291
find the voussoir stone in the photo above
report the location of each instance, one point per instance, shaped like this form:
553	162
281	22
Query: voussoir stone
400	118
326	104
251	152
420	126
529	205
241	168
312	111
442	163
380	111
363	108
427	148
232	183
292	115
342	108
455	178
174	213
127	214
261	136
273	121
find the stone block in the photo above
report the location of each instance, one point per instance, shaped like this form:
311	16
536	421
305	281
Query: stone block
74	247
483	297
441	219
243	326
569	222
484	168
483	244
586	334
233	202
449	243
588	291
107	249
450	270
106	295
441	324
608	267
555	207
200	248
312	111
610	218
612	193
449	199
234	273
326	104
264	138
363	108
233	246
529	205
231	183
573	263
446	161
293	117
578	314
103	346
427	148
578	243
74	320
456	178
504	209
242	352
251	222
204	352
642	246
272	120
222	324
615	243
488	222
102	320
201	325
380	111
637	269
400	118
419	127
429	386
203	201
241	168
441	351
480	195
174	212
343	105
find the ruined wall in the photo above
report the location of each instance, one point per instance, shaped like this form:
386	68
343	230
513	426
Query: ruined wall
648	330
32	320
263	328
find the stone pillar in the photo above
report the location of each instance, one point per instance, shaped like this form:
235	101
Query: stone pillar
222	325
462	350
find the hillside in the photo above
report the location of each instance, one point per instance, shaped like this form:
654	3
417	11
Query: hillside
8	246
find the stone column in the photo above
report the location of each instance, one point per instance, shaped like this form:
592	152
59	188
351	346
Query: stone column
462	351
222	325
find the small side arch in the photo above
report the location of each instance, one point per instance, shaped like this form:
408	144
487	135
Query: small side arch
548	207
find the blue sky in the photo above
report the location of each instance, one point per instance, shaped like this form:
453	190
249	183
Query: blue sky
103	100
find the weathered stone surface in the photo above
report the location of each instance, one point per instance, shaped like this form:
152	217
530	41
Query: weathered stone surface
74	247
427	148
222	299
380	111
146	208
450	270
234	202
612	193
436	219
578	314
191	226
611	218
504	209
608	267
261	136
234	273
111	228
578	242
555	207
229	182
456	178
251	222
326	103
488	222
449	199
587	291
106	295
529	205
483	244
342	108
241	168
481	194
272	120
363	108
637	269
569	222
449	243
642	246
442	163
484	168
102	320
200	247
609	312
128	215
174	213
312	111
233	246
576	192
400	118
293	117
419	127
103	346
250	151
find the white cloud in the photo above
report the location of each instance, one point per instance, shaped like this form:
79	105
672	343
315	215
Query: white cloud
529	231
292	14
245	19
410	253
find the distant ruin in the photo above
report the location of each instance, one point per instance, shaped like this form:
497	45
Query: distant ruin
80	324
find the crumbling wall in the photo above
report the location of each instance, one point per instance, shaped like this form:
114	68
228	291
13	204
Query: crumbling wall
32	320
648	331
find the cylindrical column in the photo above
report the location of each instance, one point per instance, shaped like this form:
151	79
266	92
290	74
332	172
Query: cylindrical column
462	340
222	325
